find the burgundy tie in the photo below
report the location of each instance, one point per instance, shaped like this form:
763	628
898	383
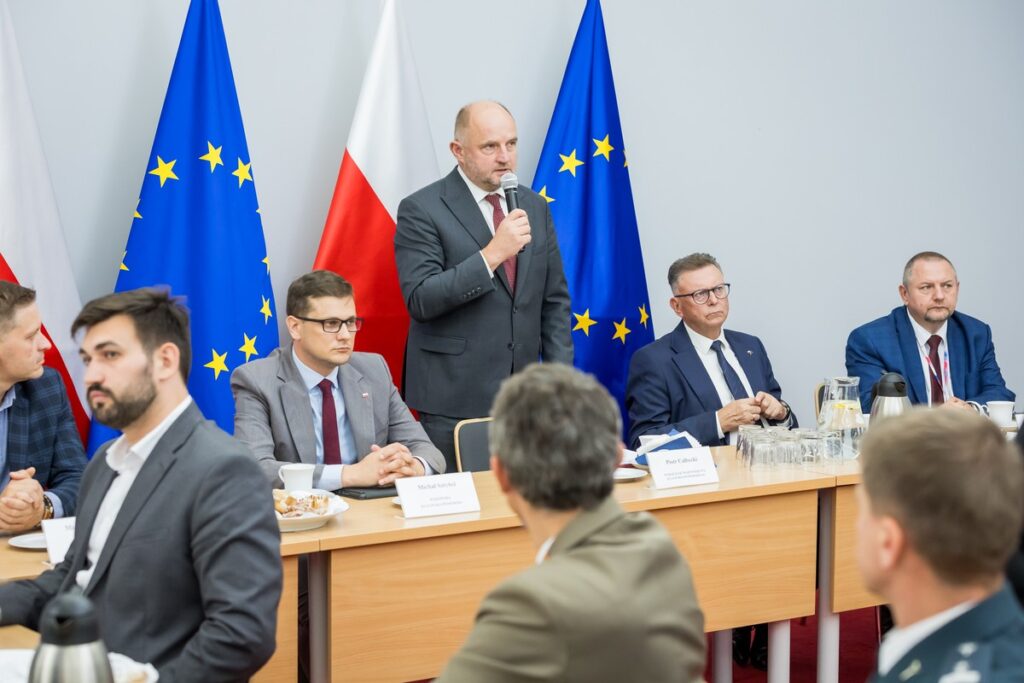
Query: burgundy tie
510	264
938	398
332	447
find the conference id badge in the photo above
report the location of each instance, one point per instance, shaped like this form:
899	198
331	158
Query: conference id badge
58	533
438	494
682	467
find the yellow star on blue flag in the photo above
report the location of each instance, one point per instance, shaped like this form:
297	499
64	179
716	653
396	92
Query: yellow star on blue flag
203	240
594	215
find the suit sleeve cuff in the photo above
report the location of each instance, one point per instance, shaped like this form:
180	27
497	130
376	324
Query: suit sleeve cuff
718	427
487	265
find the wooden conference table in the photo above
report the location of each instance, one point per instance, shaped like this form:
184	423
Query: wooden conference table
397	597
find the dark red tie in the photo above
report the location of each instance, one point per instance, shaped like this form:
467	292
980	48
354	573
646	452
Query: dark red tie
510	264
332	447
938	398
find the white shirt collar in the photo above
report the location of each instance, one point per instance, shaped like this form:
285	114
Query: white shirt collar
924	335
478	192
310	377
121	455
544	549
702	343
899	641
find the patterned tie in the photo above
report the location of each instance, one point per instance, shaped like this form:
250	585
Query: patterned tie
938	397
510	264
332	447
731	378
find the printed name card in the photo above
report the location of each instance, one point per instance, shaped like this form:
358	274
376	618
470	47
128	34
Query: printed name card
440	494
688	467
59	533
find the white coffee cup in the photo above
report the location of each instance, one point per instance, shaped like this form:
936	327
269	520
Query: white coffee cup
1001	412
297	476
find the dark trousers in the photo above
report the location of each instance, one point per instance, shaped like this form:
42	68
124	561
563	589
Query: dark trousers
441	430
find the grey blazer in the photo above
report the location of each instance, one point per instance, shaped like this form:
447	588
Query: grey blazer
190	576
273	416
613	601
468	332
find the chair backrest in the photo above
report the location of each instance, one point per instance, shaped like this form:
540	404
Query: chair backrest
819	398
472	450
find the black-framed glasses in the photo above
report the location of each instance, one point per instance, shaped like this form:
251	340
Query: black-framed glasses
333	325
701	296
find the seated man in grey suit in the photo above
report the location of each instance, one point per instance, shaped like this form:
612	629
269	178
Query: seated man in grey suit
41	454
606	582
940	512
363	434
176	541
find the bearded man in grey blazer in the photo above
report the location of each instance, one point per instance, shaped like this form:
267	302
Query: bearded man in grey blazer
484	285
318	401
610	598
176	542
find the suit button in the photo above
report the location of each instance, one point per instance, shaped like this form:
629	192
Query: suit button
511	347
515	309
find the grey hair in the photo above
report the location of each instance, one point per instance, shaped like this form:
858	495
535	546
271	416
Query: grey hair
694	261
923	256
556	431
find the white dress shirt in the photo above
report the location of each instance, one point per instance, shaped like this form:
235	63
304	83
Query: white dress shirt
709	358
923	336
899	641
486	208
545	548
126	460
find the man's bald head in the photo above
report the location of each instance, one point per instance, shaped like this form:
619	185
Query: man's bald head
465	114
485	143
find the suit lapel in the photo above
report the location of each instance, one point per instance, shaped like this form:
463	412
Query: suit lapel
956	347
358	408
17	430
460	202
911	355
686	359
85	516
297	413
750	362
153	470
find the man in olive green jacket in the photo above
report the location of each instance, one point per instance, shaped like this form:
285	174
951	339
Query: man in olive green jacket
610	597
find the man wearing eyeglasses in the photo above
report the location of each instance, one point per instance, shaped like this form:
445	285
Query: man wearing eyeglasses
318	401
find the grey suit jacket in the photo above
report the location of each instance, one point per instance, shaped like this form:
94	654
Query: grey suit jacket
613	601
468	332
190	576
273	416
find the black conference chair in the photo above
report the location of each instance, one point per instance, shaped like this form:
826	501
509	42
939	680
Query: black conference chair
472	450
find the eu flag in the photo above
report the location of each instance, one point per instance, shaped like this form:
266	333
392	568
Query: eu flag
584	176
197	226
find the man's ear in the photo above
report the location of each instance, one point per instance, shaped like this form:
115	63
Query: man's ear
892	542
501	474
166	360
293	325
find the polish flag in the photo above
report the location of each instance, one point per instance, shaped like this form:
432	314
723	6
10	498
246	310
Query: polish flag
32	248
389	155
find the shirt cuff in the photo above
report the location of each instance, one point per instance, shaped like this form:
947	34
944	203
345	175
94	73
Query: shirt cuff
426	468
330	478
58	507
718	426
487	265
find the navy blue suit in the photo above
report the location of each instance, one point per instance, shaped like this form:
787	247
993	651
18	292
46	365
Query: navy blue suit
669	388
889	345
42	433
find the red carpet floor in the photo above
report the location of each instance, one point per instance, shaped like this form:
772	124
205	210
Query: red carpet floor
858	644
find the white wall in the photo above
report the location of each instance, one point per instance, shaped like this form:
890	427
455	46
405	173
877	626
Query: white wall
811	145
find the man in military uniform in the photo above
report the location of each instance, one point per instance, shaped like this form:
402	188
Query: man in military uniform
941	511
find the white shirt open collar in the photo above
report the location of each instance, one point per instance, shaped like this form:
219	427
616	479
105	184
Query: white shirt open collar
121	455
899	641
702	343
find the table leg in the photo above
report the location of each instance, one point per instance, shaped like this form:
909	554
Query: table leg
721	649
319	636
828	621
778	652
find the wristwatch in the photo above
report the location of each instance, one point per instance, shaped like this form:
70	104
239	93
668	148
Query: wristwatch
47	508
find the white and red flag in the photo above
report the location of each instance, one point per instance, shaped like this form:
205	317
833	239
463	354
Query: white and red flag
389	155
32	248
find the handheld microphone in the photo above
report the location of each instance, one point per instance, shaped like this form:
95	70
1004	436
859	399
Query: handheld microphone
510	186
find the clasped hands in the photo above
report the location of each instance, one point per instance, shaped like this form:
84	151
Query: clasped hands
382	466
747	411
21	502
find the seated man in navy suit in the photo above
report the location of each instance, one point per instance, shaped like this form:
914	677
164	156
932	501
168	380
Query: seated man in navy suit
946	357
41	454
699	378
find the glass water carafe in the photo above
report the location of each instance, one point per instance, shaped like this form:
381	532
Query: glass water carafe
841	412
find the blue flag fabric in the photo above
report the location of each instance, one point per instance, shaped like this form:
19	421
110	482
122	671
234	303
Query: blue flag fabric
197	227
584	176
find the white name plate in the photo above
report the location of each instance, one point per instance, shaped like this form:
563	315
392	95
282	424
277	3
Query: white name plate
684	467
59	533
439	494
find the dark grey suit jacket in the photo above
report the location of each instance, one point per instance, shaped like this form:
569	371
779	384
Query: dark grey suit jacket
273	416
613	601
190	576
468	332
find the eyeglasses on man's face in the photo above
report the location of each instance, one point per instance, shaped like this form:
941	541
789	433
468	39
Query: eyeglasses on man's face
333	325
701	296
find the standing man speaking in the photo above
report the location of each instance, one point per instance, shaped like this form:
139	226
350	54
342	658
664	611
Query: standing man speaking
484	285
